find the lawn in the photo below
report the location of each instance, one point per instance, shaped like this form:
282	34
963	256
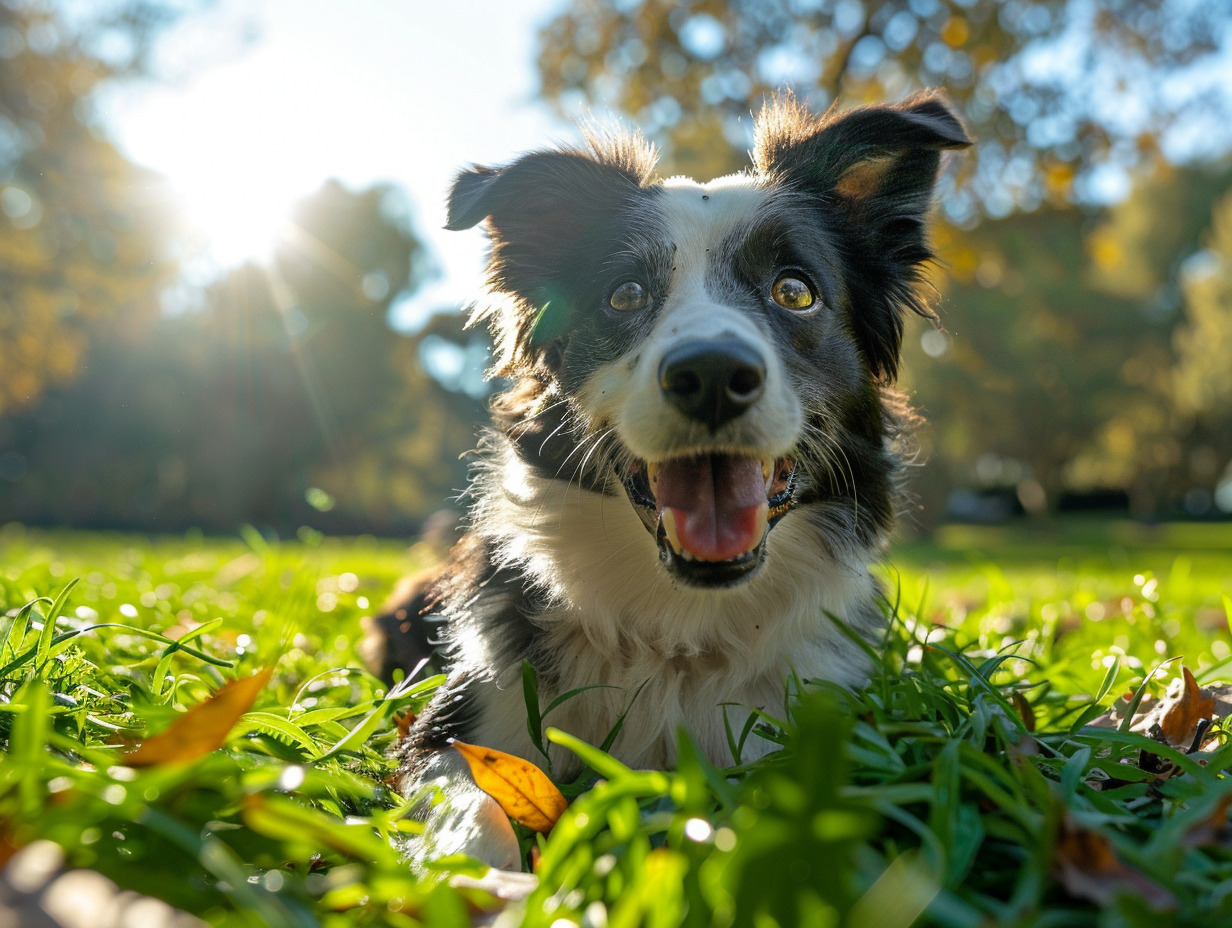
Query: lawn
971	787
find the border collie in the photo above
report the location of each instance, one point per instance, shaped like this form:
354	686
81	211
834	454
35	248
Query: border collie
697	457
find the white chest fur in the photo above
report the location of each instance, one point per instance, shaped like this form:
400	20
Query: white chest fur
665	654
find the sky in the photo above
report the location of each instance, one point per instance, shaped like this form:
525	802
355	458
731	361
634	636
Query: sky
259	102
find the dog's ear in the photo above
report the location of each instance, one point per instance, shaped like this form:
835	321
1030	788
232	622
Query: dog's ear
549	188
871	152
468	200
539	193
546	213
874	168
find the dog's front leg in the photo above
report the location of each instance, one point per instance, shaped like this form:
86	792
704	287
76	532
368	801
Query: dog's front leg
466	820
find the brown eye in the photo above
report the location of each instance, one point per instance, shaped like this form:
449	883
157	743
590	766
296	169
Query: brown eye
793	293
628	297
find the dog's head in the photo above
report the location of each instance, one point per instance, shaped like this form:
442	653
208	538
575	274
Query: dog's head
718	350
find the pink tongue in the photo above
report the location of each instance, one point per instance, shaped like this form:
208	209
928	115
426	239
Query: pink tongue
718	503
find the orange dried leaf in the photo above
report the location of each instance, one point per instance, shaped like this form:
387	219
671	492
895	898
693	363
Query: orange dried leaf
522	789
1184	709
204	727
404	721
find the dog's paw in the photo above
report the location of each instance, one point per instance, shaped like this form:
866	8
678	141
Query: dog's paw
509	885
466	820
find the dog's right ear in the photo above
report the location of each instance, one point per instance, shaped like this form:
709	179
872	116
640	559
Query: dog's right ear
468	202
545	192
548	214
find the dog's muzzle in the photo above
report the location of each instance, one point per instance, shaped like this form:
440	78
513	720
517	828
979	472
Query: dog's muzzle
712	512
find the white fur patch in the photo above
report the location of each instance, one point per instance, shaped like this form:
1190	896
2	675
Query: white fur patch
626	392
671	655
465	820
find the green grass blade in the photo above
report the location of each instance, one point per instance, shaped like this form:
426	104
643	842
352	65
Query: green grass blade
271	722
1109	679
380	711
16	632
27	745
596	759
530	695
42	648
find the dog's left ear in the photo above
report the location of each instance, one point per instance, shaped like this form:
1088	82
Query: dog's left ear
875	167
866	155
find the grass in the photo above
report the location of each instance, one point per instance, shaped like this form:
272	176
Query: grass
969	790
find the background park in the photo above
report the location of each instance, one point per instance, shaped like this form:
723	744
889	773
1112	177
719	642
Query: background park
236	401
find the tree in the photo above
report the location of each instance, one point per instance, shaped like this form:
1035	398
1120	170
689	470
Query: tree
1055	368
1058	92
1203	371
283	399
83	237
1028	368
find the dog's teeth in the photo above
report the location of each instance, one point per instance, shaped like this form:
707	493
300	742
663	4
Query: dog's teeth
669	529
767	474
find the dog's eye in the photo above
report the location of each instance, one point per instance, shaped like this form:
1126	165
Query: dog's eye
793	293
629	296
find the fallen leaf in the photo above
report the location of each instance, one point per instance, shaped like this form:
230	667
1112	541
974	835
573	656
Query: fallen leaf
204	727
1182	708
404	721
1213	829
1025	711
522	789
1087	865
1177	713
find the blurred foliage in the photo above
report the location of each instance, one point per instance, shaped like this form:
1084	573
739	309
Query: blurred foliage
1204	344
276	395
83	233
282	399
1057	92
1056	369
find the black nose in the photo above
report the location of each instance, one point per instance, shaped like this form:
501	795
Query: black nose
712	381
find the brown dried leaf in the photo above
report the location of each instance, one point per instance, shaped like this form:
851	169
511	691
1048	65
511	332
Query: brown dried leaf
1177	713
1025	711
204	727
1087	865
1182	708
522	789
1214	829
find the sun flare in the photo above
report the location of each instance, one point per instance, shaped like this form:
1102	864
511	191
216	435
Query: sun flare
238	214
237	158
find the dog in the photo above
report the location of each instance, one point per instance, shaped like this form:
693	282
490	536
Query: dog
699	453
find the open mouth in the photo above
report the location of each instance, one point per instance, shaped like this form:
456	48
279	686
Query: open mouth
711	513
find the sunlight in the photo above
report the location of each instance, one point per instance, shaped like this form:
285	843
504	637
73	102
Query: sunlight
240	214
239	148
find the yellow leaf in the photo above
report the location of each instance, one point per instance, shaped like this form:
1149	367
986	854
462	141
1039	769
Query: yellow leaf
522	789
204	727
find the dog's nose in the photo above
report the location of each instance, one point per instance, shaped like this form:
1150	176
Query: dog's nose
712	381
